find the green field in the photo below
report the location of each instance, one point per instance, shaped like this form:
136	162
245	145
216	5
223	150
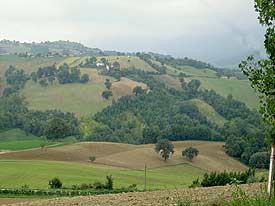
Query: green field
36	174
240	90
83	99
17	139
209	112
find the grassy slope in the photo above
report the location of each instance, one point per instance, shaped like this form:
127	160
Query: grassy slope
240	90
134	62
27	64
36	174
16	139
83	99
209	112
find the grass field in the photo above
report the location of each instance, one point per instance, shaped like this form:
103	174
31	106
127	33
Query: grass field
82	99
28	64
207	111
124	162
240	90
36	174
17	139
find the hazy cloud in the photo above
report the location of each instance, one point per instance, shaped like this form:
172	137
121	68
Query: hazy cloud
218	31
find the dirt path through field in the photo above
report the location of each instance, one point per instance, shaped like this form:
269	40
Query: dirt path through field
202	196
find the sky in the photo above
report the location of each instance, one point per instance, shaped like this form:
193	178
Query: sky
221	32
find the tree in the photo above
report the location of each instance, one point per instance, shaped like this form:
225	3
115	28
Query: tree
190	153
43	82
108	84
56	128
165	148
84	78
107	94
116	65
261	73
259	160
138	90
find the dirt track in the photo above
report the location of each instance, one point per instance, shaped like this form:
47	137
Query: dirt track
202	196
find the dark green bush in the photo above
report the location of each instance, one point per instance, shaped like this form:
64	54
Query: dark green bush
224	178
109	182
55	183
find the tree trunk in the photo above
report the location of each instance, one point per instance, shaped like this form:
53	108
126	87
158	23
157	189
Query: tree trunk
270	175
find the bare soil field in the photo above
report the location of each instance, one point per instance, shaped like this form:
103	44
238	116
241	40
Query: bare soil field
198	196
211	157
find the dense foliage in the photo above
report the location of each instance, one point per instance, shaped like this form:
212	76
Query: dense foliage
190	153
64	75
147	58
165	148
224	178
15	114
16	79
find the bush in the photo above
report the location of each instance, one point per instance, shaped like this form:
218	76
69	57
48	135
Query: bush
260	160
224	178
55	183
98	186
109	182
92	158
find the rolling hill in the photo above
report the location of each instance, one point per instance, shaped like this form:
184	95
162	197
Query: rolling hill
212	156
124	162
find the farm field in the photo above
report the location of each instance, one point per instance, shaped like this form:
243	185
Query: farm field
211	158
82	99
29	64
36	174
195	196
240	89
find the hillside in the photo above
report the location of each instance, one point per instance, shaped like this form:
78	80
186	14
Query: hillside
212	156
82	99
124	162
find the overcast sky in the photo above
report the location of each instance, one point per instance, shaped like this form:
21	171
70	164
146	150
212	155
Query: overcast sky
218	31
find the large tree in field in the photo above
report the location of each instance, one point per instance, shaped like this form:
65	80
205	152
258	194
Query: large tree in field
165	148
57	128
261	73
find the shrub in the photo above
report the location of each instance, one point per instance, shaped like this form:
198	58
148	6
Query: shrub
98	186
260	160
224	178
109	182
107	94
55	183
92	158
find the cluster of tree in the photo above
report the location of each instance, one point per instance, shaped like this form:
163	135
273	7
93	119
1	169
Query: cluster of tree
107	93
175	62
89	63
224	178
164	113
16	80
52	124
148	59
64	74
